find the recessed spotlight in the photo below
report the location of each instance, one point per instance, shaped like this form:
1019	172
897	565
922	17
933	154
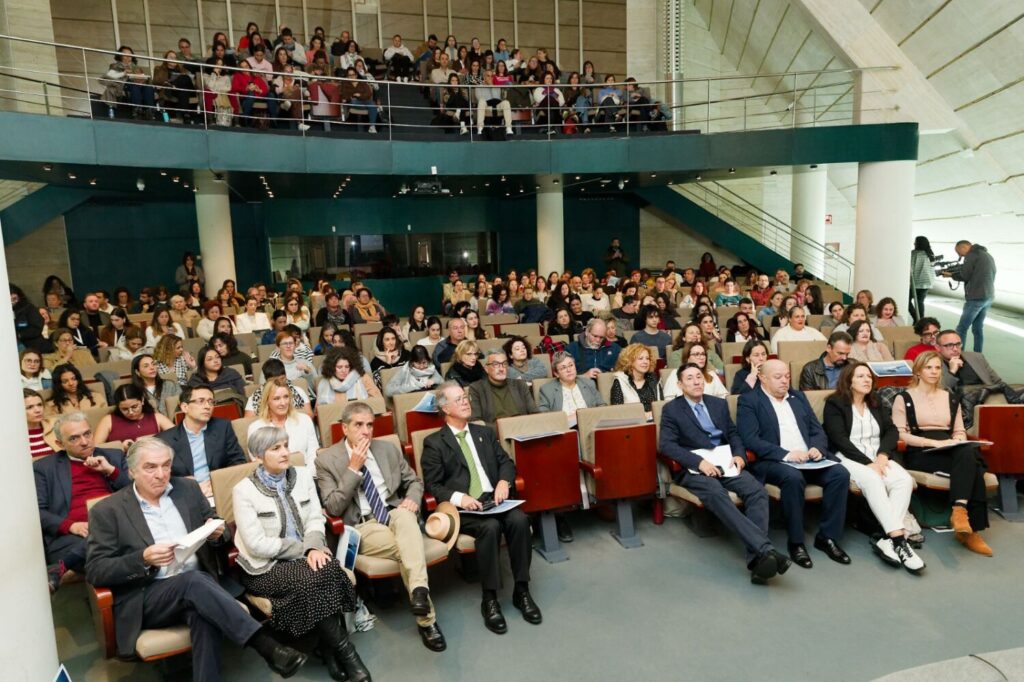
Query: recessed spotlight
93	182
557	181
521	190
583	189
698	177
503	178
176	179
71	176
577	177
347	178
194	190
164	173
47	167
732	170
536	186
487	184
506	194
186	185
654	175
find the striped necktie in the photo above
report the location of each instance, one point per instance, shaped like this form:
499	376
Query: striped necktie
377	505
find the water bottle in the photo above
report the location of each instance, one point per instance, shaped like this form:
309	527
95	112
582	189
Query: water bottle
163	114
110	112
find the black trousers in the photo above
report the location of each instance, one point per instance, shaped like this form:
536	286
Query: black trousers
67	548
835	482
196	598
751	524
917	297
487	530
966	469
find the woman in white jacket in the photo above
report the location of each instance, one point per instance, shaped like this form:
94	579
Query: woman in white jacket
284	557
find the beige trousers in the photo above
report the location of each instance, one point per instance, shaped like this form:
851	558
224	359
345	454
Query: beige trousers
401	541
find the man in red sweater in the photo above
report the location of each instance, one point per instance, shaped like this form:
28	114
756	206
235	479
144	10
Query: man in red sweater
927	328
65	482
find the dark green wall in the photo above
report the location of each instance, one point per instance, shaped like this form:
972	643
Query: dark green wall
114	243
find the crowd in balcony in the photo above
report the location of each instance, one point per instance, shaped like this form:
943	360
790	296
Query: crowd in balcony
283	83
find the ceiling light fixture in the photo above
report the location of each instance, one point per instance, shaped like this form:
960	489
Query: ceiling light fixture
163	173
732	170
47	167
93	182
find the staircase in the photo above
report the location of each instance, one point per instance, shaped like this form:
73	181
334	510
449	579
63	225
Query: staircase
754	235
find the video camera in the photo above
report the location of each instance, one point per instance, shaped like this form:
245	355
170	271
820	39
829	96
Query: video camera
953	267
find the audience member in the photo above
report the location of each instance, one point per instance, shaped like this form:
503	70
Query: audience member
370	485
33	375
133	417
755	354
650	334
864	439
696	426
275	368
494	396
465	465
70	394
635	380
277	408
928	416
695	354
887	314
444	350
864	348
593	352
522	364
779	426
927	328
823	373
466	368
342	374
796	330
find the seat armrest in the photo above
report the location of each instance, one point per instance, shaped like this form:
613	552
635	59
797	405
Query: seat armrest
673	466
335	524
751	457
102	602
520	485
232	557
429	502
901	446
592	469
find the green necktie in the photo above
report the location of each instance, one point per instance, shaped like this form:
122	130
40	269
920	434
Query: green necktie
476	489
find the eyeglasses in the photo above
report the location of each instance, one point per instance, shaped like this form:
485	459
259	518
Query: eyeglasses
497	364
952	345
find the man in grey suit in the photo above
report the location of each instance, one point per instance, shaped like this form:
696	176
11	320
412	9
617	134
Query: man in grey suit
570	392
969	375
370	485
132	537
495	396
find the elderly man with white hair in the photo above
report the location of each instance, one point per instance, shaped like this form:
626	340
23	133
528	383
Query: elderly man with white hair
65	482
132	537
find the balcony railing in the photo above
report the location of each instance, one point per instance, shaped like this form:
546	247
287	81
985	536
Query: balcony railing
705	105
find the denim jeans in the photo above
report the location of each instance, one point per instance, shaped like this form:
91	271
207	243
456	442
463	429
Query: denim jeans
973	316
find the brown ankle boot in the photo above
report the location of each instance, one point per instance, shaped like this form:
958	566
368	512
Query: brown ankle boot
958	519
975	543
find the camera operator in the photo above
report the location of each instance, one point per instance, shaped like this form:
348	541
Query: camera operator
978	274
921	275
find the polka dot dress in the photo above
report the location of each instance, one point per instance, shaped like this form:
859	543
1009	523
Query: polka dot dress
302	597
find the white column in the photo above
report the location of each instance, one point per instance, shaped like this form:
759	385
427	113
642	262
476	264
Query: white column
885	213
810	187
213	215
28	647
550	228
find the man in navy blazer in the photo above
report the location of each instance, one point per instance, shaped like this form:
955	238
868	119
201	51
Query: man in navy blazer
778	425
694	421
65	482
201	442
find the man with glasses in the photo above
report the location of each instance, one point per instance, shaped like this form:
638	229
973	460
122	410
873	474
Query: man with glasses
201	442
65	482
969	375
928	329
464	464
444	350
495	396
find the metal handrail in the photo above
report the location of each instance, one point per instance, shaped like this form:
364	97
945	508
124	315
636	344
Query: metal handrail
768	229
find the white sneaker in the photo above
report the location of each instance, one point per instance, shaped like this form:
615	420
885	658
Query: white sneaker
508	131
463	130
886	551
303	127
479	132
909	558
373	130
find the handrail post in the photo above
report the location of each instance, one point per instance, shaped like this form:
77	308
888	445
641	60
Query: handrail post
46	98
707	121
391	111
85	78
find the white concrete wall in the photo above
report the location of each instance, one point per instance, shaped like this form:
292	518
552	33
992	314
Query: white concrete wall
41	254
662	239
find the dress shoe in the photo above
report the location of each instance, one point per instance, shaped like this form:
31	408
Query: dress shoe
832	549
432	637
799	555
781	561
973	542
563	529
763	568
490	609
959	521
284	660
524	602
420	601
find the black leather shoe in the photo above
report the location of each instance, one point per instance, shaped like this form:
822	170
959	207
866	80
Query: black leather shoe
490	609
334	669
782	561
524	602
831	549
800	557
432	637
420	601
349	659
563	529
54	573
763	568
285	661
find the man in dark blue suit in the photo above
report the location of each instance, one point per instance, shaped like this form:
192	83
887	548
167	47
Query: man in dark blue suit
778	425
694	421
201	442
65	482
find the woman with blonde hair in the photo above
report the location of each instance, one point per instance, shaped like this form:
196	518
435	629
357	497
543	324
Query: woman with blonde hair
928	416
277	408
466	367
635	379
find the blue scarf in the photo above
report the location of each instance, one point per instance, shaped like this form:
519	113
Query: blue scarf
278	483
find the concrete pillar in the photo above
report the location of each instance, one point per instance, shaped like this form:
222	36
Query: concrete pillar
29	19
550	228
643	40
810	187
885	213
216	244
28	647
